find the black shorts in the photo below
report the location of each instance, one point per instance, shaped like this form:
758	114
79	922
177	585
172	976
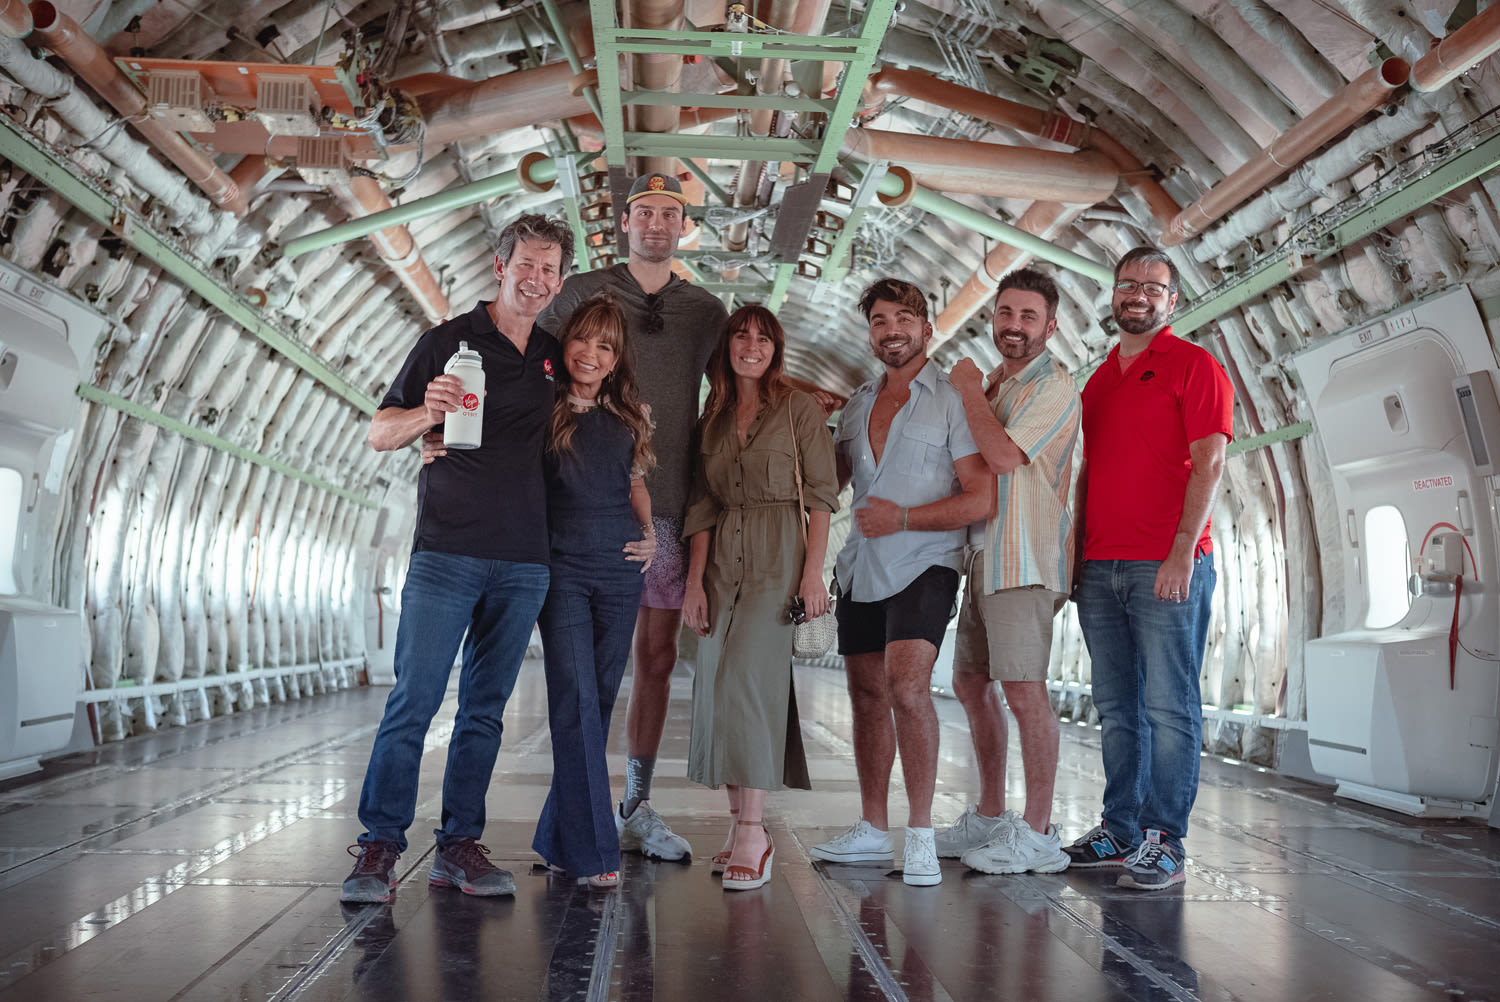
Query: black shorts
920	611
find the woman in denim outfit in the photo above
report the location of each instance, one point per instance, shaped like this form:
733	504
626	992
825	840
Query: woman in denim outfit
599	518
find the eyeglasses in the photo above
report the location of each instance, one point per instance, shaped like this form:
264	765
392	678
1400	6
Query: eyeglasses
1152	289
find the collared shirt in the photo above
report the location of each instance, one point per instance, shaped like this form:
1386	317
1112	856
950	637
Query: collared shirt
489	502
927	435
1137	428
1029	541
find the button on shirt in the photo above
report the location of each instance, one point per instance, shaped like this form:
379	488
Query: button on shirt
928	434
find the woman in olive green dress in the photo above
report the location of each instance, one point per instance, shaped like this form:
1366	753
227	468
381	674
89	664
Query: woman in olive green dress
747	561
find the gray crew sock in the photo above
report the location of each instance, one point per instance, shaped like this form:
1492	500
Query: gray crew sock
638	771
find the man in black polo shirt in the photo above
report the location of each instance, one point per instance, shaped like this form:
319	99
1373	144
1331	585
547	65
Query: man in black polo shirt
478	564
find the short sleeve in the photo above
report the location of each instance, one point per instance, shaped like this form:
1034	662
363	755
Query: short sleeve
409	389
1207	399
960	438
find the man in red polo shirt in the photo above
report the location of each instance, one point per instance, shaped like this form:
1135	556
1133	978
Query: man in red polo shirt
1157	418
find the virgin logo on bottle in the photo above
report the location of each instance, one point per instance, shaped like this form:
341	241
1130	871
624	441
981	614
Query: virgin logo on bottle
471	401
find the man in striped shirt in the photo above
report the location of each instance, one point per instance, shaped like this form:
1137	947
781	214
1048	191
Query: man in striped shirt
1025	421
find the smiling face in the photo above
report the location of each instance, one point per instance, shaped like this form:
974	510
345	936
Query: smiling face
531	277
1137	311
750	351
653	225
589	361
898	333
1021	326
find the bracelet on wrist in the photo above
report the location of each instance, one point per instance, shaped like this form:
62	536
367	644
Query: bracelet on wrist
905	517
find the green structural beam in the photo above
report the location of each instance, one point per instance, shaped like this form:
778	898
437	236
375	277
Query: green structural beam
1382	209
24	151
779	285
995	229
671	144
1299	430
872	29
506	183
607	59
135	410
836	267
749	102
717	44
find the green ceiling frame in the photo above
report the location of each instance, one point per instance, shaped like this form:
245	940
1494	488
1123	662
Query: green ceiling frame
143	413
858	51
1381	209
1292	431
26	152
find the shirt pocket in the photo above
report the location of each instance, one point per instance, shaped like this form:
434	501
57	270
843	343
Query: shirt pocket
777	470
924	448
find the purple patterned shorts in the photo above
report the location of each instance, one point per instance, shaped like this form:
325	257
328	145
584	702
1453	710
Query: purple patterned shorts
667	578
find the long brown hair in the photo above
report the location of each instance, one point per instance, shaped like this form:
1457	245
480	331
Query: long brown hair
602	317
722	394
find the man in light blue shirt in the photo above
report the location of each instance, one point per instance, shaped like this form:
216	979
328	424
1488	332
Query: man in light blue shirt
918	482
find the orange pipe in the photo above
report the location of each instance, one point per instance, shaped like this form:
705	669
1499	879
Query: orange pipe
1477	40
1081	178
509	101
1033	121
1363	94
1042	219
15	18
654	71
362	196
62	35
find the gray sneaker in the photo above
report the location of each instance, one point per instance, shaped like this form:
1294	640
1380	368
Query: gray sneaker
970	831
646	833
1019	849
463	865
374	873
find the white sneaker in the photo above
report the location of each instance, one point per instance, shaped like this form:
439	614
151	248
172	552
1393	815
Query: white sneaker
646	833
1019	849
970	831
859	843
919	861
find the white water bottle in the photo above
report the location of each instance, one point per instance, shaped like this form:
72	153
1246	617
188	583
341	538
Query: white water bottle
464	428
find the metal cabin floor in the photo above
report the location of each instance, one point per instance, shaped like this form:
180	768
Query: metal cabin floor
204	862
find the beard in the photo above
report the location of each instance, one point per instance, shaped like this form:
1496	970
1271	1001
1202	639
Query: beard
897	357
1153	321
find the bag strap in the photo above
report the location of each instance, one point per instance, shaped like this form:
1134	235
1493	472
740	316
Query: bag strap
797	472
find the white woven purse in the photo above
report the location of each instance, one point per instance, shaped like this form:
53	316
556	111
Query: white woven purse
811	638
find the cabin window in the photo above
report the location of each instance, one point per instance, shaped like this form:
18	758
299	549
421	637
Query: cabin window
1387	564
11	484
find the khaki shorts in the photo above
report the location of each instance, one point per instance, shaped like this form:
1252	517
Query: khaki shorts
1009	633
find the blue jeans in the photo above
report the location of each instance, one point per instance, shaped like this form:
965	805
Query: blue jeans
587	624
1147	655
497	602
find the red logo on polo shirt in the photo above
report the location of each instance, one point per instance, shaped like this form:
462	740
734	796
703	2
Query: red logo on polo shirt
547	367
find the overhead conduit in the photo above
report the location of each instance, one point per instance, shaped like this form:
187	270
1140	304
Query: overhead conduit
1033	121
362	196
1042	219
659	71
1364	94
1475	41
60	34
960	165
